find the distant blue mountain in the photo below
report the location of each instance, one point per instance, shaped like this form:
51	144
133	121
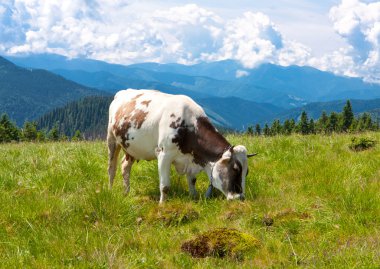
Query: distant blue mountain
29	93
221	70
259	96
286	87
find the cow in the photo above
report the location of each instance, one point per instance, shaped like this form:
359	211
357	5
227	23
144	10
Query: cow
149	124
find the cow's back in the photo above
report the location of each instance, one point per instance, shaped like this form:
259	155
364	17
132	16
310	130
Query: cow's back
142	120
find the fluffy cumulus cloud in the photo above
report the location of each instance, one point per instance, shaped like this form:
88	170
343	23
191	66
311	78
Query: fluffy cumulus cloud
359	24
114	31
126	31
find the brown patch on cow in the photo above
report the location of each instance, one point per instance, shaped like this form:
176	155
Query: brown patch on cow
128	116
203	141
176	124
146	103
172	115
138	118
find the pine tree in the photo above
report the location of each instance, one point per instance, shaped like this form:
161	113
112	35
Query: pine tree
266	130
41	135
276	127
249	130
78	136
312	127
367	121
9	131
53	134
348	117
288	128
332	125
322	123
292	125
304	124
29	131
257	129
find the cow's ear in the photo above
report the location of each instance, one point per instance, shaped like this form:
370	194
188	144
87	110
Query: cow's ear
226	157
251	155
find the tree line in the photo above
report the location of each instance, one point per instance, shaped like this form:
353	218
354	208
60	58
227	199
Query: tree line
326	124
9	132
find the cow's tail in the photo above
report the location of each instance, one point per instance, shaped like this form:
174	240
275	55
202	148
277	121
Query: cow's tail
113	153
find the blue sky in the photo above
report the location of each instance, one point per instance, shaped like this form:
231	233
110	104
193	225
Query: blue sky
340	36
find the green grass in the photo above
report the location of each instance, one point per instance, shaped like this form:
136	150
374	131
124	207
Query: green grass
323	200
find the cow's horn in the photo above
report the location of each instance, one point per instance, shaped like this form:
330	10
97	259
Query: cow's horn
251	155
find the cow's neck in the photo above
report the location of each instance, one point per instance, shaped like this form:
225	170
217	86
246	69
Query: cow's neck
202	141
210	144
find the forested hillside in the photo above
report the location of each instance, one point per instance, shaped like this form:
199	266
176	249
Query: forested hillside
28	93
89	115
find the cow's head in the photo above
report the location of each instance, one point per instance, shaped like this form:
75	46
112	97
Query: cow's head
230	171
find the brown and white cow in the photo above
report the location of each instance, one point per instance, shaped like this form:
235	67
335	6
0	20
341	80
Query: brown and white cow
148	124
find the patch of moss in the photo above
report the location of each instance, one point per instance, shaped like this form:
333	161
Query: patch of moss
173	215
362	143
220	243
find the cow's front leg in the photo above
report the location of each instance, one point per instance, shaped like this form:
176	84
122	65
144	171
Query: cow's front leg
164	162
126	171
191	180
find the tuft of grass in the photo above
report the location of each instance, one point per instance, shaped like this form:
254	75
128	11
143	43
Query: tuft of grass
172	214
362	143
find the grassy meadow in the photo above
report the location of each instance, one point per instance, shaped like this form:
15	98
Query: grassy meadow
310	201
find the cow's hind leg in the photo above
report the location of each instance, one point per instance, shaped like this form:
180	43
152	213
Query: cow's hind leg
164	162
126	171
191	180
113	153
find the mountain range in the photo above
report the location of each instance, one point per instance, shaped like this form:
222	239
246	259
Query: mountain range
286	87
231	95
29	93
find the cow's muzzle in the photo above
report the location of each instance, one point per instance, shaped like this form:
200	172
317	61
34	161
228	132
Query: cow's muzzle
235	196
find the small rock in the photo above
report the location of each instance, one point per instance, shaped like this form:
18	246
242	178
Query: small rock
139	220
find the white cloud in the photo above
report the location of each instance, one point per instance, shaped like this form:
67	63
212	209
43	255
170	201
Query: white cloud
126	32
111	31
359	24
338	62
241	73
251	39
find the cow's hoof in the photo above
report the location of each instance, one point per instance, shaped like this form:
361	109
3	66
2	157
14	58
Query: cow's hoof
209	192
194	195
